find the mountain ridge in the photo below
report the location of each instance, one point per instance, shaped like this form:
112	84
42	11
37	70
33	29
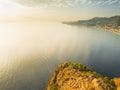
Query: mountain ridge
97	21
105	23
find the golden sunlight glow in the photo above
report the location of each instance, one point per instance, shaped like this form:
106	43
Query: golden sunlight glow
12	11
8	9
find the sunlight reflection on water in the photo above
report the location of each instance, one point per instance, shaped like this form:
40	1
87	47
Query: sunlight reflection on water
29	52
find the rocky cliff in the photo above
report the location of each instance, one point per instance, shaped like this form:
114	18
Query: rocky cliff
117	83
74	76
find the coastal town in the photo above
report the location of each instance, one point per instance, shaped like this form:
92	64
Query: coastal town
111	24
113	27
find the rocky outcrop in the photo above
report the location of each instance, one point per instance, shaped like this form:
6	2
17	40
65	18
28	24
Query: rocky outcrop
117	83
74	76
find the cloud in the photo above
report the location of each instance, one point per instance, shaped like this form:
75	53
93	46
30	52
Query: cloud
44	2
109	2
65	2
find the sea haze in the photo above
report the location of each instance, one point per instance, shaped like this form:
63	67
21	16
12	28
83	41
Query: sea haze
30	52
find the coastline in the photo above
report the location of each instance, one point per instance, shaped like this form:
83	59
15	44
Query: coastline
115	31
111	24
112	30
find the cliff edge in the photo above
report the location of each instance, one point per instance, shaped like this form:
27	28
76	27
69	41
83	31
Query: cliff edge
74	76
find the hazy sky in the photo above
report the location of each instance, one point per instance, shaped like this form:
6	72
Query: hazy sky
60	10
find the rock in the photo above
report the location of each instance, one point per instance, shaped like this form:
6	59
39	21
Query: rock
74	76
117	83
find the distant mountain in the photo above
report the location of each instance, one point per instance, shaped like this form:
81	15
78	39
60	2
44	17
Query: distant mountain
74	76
111	24
97	21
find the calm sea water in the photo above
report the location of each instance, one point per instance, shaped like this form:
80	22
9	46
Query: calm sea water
29	52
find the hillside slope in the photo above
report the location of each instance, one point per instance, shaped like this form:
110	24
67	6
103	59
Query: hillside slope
74	76
98	21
